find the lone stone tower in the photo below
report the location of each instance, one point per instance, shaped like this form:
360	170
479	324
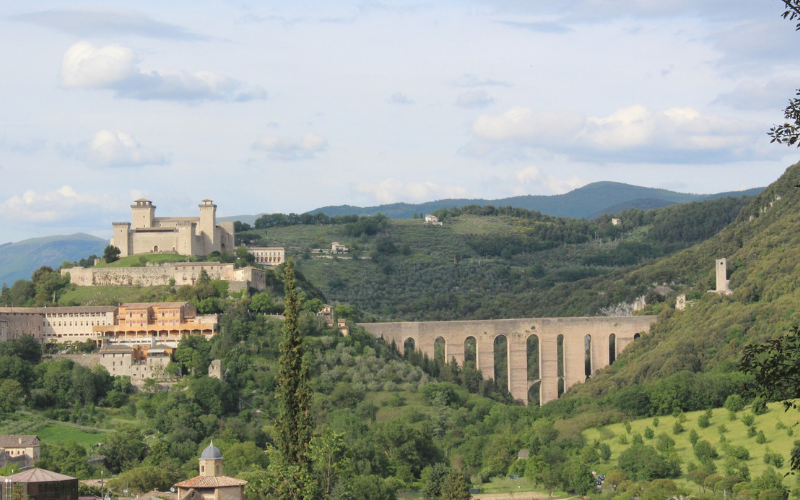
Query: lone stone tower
215	370
722	277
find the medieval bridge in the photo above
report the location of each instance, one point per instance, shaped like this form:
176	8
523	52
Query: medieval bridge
585	344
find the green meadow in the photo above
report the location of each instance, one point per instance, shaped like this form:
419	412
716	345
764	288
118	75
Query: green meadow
776	425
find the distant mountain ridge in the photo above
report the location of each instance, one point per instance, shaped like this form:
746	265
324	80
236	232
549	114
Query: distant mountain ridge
591	200
19	260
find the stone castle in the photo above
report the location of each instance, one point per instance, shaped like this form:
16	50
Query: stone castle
147	233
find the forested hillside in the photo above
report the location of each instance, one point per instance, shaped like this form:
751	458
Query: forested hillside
487	262
761	248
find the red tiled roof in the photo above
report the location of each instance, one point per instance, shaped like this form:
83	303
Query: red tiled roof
211	482
40	476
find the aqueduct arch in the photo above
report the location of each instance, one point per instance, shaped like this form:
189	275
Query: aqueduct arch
517	331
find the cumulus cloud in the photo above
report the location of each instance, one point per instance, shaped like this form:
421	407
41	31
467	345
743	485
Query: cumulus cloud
392	191
470	80
283	148
632	134
115	67
400	98
93	22
117	149
752	96
532	176
474	99
62	204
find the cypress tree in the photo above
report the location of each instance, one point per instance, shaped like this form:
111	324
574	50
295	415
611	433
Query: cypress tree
294	425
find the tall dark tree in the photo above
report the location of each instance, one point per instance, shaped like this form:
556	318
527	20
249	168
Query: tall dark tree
111	253
294	425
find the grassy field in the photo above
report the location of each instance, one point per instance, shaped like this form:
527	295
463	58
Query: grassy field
55	433
778	439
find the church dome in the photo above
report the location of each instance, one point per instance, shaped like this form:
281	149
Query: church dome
211	453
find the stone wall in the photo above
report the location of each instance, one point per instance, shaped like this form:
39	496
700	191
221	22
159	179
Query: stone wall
547	330
120	276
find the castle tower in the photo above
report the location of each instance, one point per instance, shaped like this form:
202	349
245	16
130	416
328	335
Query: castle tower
121	238
722	275
143	213
208	223
211	462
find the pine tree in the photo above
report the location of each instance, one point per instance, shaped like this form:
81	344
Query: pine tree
455	487
294	425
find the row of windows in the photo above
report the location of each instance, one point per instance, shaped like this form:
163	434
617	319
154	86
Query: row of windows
59	323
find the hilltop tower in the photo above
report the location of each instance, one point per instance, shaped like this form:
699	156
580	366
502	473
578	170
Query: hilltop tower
144	214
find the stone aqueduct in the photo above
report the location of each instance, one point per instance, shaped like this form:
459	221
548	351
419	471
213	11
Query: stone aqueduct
572	333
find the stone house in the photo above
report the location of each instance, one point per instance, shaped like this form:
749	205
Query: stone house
18	446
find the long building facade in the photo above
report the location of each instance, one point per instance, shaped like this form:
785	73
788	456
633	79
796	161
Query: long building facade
147	233
166	322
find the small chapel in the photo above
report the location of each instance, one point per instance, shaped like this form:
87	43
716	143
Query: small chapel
211	484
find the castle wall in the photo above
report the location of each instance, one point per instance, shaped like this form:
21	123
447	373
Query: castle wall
184	273
120	276
517	331
154	242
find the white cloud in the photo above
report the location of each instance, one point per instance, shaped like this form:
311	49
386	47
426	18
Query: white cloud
60	205
283	148
115	67
474	99
749	95
532	176
400	98
539	26
117	149
470	80
635	133
92	22
392	191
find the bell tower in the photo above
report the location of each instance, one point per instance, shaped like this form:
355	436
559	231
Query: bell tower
211	462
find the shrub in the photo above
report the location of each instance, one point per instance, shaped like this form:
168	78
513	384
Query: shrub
734	403
748	419
703	450
704	420
677	427
693	437
760	437
648	433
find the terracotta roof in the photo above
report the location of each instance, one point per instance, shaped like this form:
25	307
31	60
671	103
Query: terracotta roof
17	441
40	476
211	482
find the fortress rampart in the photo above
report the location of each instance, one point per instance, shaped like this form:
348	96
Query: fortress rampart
606	336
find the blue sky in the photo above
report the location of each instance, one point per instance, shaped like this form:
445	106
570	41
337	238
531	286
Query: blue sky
271	107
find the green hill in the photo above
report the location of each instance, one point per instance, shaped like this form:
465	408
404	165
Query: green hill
775	425
487	263
592	200
19	260
762	251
